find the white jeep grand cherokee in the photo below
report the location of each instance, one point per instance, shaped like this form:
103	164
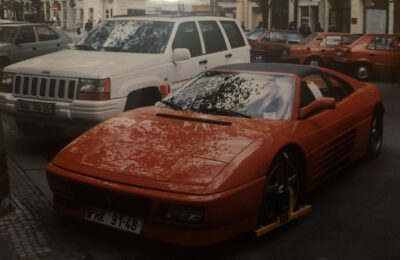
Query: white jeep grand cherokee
121	64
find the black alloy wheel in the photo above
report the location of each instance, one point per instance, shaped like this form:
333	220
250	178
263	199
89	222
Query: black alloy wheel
284	173
376	134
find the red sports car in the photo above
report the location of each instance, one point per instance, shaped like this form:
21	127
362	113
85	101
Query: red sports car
212	160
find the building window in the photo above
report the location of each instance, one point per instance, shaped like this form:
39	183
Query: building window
91	13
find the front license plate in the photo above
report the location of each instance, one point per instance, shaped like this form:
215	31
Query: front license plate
113	219
35	107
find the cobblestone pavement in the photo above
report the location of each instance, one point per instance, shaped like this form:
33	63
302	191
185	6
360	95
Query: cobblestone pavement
31	231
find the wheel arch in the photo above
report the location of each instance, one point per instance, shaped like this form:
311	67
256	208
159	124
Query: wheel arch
313	56
142	97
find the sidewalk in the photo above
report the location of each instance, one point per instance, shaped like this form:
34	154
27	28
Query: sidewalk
31	230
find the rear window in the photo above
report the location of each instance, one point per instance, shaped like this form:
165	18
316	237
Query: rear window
233	32
254	35
351	39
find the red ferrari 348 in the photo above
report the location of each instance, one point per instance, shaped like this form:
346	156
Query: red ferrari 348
211	160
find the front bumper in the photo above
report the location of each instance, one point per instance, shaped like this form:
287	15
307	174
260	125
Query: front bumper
226	214
66	113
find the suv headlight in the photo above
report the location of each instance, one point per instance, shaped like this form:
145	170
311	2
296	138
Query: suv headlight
7	82
94	89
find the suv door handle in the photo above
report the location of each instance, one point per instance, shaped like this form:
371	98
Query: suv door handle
202	62
228	55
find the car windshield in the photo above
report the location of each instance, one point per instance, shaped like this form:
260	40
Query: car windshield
254	35
7	34
137	36
351	39
310	37
241	94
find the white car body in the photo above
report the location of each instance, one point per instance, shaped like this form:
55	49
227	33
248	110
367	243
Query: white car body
128	74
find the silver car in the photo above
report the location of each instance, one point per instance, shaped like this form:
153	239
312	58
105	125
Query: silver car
21	41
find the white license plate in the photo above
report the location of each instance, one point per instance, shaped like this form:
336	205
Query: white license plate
35	107
113	219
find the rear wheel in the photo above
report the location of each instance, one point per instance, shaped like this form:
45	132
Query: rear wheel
314	61
375	135
363	71
257	57
285	173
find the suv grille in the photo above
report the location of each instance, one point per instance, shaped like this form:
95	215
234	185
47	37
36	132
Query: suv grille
47	88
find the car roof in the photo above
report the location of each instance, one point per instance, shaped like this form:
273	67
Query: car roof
14	24
295	69
172	17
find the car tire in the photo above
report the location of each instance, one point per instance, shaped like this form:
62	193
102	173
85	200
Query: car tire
40	133
314	61
375	139
284	161
363	71
257	57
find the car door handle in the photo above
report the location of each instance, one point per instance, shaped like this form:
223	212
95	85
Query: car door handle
58	45
228	55
34	48
323	50
202	62
371	55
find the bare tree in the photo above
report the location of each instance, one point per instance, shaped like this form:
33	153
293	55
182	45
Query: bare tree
265	6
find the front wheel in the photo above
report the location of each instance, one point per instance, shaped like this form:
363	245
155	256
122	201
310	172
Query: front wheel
314	61
284	174
376	135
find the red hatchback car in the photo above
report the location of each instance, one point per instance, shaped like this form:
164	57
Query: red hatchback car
221	155
317	50
368	54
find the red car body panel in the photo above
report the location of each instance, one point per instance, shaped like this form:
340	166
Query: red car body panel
315	49
380	61
216	162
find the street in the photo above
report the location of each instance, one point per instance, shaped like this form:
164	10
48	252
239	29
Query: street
355	214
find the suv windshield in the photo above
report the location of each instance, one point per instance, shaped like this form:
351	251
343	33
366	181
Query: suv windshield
137	36
7	34
240	94
351	39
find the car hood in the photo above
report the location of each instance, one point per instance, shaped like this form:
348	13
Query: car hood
160	148
86	64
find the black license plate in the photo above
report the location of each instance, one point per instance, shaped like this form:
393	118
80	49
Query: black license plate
35	107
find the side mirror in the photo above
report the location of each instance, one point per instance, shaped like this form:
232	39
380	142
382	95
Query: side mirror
180	54
319	39
317	105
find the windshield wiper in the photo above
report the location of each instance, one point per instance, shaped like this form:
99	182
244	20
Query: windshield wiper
84	47
222	111
171	104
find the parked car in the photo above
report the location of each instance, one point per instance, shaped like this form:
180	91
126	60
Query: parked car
21	41
317	49
273	45
368	54
123	63
208	161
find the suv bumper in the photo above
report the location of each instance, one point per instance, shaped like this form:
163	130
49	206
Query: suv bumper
82	112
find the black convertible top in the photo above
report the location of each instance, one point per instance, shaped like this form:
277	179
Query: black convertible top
300	70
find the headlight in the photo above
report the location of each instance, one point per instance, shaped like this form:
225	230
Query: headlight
94	89
7	82
184	214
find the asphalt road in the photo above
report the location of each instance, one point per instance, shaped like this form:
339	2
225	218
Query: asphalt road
355	215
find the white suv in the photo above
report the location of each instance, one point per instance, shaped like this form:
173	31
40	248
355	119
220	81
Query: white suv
122	64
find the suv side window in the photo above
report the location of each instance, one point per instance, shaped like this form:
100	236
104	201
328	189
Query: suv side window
331	41
234	35
212	36
340	88
45	33
274	37
381	43
25	35
187	36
